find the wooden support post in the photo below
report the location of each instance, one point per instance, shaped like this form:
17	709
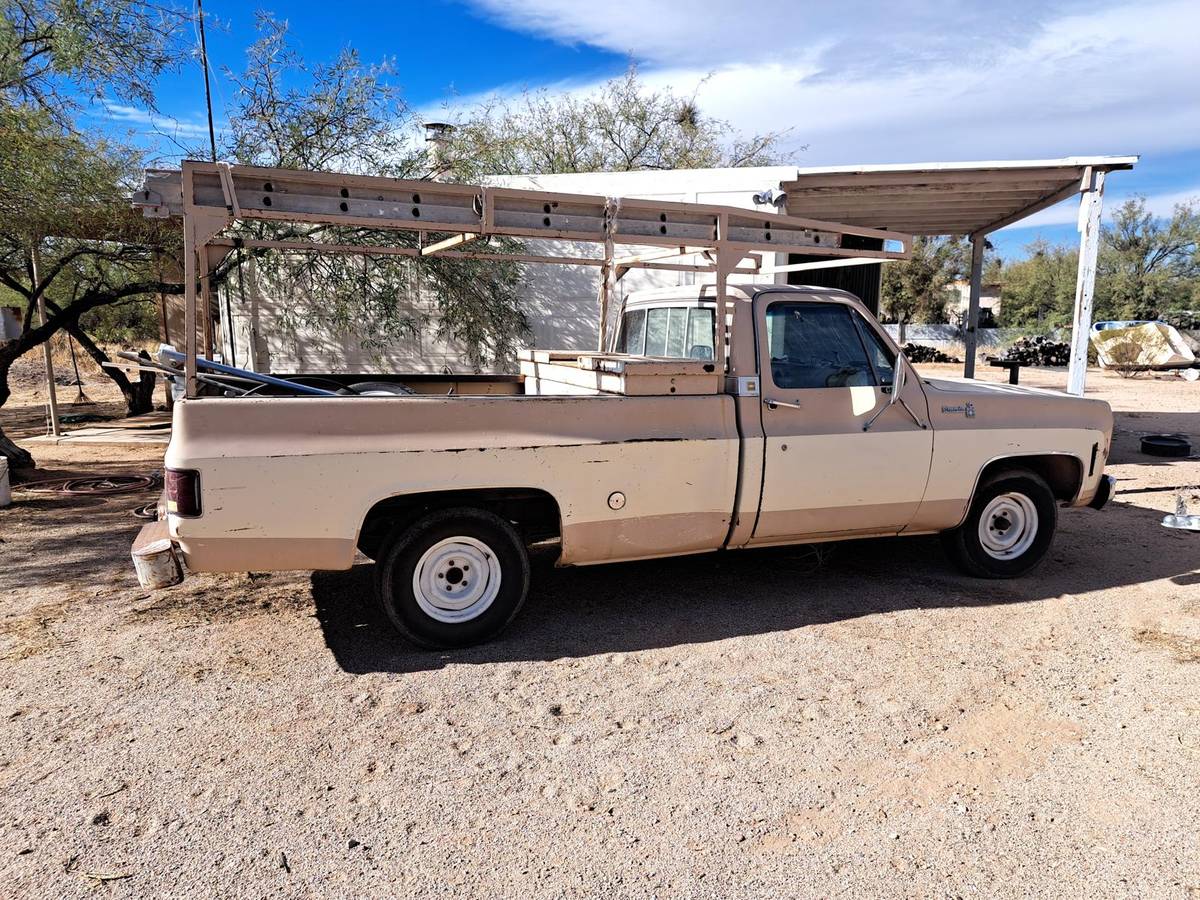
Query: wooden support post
608	282
206	302
35	261
978	243
1091	203
189	306
724	264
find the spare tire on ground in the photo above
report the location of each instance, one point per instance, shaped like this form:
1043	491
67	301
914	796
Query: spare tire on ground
1166	445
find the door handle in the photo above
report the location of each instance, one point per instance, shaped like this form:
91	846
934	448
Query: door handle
772	404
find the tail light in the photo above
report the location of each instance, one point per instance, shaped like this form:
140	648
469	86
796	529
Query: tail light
183	492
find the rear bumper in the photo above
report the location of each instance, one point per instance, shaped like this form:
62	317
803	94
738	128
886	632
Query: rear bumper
1104	492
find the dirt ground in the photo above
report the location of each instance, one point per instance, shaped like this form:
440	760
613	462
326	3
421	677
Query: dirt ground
863	721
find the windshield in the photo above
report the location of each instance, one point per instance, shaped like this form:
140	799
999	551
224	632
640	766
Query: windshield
682	332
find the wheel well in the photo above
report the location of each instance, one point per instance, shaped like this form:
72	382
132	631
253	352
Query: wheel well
534	512
1064	473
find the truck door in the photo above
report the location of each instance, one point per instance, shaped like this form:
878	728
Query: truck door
825	371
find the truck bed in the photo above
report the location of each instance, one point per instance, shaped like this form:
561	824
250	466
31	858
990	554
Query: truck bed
287	482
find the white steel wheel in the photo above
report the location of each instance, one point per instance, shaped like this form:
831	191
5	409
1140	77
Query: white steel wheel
1008	526
456	579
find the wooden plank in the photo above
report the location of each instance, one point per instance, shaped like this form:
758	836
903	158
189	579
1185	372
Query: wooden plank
455	240
842	206
990	189
820	264
1036	206
895	211
918	178
666	253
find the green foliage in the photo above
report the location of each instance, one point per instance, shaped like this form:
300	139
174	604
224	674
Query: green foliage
623	126
346	117
1147	268
52	51
1038	292
67	195
55	182
128	324
915	290
64	204
342	116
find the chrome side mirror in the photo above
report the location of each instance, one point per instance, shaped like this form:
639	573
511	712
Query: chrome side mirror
898	378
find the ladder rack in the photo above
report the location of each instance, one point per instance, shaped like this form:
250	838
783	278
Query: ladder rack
447	217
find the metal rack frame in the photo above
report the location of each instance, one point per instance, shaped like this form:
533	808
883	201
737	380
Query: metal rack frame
209	197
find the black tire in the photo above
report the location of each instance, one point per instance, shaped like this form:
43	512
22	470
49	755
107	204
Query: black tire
965	545
503	555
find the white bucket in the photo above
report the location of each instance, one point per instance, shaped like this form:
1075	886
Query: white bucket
156	565
5	487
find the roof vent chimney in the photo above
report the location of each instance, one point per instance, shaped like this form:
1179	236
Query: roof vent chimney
437	135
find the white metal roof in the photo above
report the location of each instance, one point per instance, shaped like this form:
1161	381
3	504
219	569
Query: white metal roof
941	197
916	198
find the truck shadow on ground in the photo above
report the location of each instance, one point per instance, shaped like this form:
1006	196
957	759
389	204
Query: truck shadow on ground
638	606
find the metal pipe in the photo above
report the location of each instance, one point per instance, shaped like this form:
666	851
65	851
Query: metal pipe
978	242
35	263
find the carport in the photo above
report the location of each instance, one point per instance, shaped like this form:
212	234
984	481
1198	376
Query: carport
970	199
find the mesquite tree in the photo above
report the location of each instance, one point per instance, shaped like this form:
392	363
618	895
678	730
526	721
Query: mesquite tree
63	195
65	215
346	116
623	125
55	54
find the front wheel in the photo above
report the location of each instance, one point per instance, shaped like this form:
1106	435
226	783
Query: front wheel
1009	527
454	578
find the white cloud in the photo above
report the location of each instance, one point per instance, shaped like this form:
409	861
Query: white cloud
1067	212
155	123
710	33
937	80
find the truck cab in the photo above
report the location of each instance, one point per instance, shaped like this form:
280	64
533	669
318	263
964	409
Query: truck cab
842	438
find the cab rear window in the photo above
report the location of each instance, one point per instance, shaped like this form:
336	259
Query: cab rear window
682	332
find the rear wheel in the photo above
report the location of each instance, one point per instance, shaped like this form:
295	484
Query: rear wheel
454	578
1009	527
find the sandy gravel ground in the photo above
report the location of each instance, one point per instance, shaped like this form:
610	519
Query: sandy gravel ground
759	724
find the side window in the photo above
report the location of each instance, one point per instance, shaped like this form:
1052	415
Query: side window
815	345
881	356
633	336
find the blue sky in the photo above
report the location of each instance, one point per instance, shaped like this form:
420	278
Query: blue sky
852	82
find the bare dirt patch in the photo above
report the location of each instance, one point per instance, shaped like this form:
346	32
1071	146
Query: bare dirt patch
743	724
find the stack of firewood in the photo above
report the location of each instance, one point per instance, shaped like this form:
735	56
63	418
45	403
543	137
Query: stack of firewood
922	353
1038	351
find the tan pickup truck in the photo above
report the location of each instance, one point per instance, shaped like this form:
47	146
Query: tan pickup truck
821	430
